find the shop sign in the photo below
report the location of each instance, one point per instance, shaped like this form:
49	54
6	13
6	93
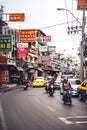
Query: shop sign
22	50
16	17
27	35
5	43
82	4
42	48
46	38
3	60
45	58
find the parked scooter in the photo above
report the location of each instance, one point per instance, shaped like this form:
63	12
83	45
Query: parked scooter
67	97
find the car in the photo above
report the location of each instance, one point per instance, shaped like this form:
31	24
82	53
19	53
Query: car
38	82
75	82
57	83
82	91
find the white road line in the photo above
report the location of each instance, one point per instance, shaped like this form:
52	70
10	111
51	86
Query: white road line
2	118
66	121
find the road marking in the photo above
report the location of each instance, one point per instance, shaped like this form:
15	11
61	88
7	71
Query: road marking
67	119
2	118
51	108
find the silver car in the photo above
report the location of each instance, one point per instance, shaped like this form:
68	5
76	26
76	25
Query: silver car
57	82
74	84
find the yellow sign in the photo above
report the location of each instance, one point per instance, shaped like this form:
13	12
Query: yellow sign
27	35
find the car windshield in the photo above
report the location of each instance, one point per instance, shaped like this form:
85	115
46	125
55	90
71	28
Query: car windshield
75	82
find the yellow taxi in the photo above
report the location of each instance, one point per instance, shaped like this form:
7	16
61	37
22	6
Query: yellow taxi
38	82
82	91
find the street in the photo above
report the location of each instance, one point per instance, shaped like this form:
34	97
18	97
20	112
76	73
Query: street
34	109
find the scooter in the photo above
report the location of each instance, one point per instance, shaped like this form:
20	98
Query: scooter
25	87
47	86
51	90
67	97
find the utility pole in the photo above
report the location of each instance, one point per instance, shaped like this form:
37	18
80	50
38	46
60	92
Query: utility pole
82	47
1	18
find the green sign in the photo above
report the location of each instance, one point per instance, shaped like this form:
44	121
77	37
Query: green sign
5	43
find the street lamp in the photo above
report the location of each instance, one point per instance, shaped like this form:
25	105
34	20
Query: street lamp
82	42
59	9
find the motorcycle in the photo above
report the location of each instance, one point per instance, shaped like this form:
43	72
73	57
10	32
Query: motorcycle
47	86
51	90
25	87
67	97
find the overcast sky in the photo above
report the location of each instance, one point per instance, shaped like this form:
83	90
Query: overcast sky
43	14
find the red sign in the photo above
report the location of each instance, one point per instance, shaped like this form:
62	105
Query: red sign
22	50
3	60
46	38
16	17
82	4
27	35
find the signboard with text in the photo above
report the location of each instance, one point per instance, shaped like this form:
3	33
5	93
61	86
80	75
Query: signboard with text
82	4
46	38
22	50
5	43
16	17
27	35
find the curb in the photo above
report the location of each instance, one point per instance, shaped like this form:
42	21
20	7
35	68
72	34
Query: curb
8	88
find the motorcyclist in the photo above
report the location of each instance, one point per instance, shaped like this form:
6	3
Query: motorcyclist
51	85
65	86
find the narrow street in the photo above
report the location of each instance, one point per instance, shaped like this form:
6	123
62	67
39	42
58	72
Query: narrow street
36	110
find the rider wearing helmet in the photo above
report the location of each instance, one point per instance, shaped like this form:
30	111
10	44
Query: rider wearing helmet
65	86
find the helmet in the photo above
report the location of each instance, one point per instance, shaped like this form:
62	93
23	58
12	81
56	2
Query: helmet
65	80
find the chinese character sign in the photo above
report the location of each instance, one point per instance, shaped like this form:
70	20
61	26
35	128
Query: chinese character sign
82	4
5	43
16	17
27	35
22	50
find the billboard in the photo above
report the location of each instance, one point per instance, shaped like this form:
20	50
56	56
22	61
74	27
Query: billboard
82	4
27	35
16	17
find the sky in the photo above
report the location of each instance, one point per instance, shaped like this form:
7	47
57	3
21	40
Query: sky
43	14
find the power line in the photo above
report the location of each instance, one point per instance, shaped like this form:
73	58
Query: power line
57	25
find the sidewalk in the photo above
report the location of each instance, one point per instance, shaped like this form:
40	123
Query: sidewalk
8	87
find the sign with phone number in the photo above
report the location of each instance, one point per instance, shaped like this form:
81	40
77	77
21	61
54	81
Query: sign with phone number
5	43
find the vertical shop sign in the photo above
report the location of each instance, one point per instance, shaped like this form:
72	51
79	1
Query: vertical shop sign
22	50
5	43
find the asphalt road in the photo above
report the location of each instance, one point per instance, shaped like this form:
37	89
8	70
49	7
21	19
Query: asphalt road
34	109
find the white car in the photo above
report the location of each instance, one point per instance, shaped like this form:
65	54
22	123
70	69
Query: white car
74	84
57	82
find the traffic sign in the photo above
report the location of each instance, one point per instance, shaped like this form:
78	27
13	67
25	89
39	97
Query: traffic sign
5	43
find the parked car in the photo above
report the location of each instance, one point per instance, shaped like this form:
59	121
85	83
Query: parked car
74	85
82	91
38	82
57	82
